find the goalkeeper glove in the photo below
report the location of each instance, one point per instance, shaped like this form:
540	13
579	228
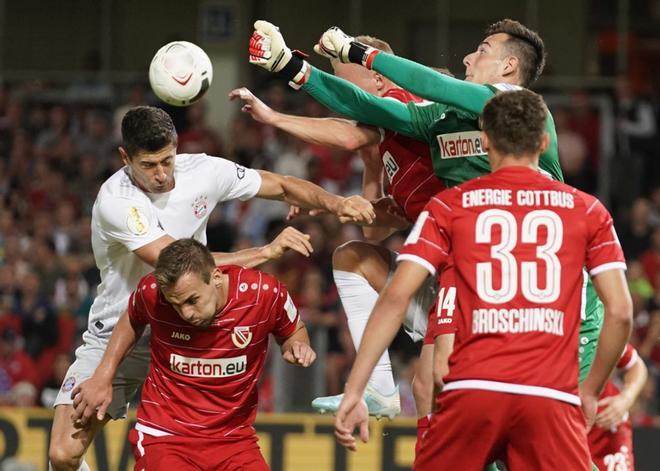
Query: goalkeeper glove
268	50
335	44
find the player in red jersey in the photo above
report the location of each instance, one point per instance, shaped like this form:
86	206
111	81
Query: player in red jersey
209	338
361	269
519	242
610	439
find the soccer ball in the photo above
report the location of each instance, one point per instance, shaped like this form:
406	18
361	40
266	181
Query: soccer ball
180	73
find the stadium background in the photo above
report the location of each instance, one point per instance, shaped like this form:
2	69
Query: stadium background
70	69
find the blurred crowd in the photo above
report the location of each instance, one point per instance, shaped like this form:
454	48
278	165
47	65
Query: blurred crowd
56	151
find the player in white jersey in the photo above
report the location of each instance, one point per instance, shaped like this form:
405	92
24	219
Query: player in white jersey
155	198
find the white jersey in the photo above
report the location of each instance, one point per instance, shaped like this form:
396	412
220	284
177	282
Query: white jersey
125	218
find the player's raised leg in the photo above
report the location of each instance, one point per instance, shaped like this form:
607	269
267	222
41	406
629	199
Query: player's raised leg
360	271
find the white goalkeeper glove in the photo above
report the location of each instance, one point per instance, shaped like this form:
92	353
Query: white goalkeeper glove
335	44
268	50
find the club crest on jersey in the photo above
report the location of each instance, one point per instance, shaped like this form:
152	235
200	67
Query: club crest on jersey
241	336
136	222
200	206
460	144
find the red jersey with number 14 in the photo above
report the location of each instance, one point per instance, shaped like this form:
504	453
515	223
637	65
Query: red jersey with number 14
408	165
203	381
519	242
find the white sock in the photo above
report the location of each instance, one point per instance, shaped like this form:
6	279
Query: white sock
359	298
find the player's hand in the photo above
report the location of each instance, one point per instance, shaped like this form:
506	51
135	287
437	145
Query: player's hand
335	44
614	409
589	407
91	399
289	239
388	209
352	413
300	354
268	50
295	211
259	110
355	209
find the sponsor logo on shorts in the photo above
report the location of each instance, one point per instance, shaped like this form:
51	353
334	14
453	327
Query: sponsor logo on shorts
241	336
208	367
460	144
68	384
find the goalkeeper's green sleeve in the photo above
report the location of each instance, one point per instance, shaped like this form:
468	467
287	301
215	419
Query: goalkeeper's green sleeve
432	85
348	100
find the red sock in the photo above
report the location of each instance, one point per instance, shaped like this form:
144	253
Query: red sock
422	427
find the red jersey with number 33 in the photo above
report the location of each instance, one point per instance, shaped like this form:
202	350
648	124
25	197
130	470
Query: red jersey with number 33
203	381
408	165
519	243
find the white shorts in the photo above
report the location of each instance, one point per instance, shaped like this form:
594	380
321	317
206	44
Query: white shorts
417	315
130	375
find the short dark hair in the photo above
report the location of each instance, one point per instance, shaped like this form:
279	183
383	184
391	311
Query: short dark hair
146	128
515	122
181	257
375	42
525	44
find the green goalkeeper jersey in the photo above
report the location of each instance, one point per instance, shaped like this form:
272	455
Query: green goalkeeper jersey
450	126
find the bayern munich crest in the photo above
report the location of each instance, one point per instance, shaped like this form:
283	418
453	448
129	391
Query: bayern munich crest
241	336
200	206
68	384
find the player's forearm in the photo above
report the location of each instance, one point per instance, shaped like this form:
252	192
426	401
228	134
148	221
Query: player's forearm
611	343
383	324
432	85
297	192
122	341
331	132
634	380
248	258
350	101
300	335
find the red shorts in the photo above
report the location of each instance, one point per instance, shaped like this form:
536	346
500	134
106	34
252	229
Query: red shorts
174	453
612	450
472	428
443	311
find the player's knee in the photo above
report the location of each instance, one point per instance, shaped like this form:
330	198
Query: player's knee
346	257
63	458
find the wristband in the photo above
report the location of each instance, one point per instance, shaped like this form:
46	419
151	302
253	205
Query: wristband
359	53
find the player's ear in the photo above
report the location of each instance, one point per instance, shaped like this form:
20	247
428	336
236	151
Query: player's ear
380	81
485	142
216	277
510	65
545	142
124	155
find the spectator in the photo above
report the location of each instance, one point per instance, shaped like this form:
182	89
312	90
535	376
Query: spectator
635	235
15	366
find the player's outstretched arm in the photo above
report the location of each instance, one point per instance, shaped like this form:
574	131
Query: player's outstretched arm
268	50
615	408
94	395
416	78
296	348
331	132
384	323
612	290
307	195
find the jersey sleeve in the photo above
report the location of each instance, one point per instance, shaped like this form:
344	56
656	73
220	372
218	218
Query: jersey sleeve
354	103
428	243
131	222
628	358
603	249
234	180
286	314
137	309
444	312
432	85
